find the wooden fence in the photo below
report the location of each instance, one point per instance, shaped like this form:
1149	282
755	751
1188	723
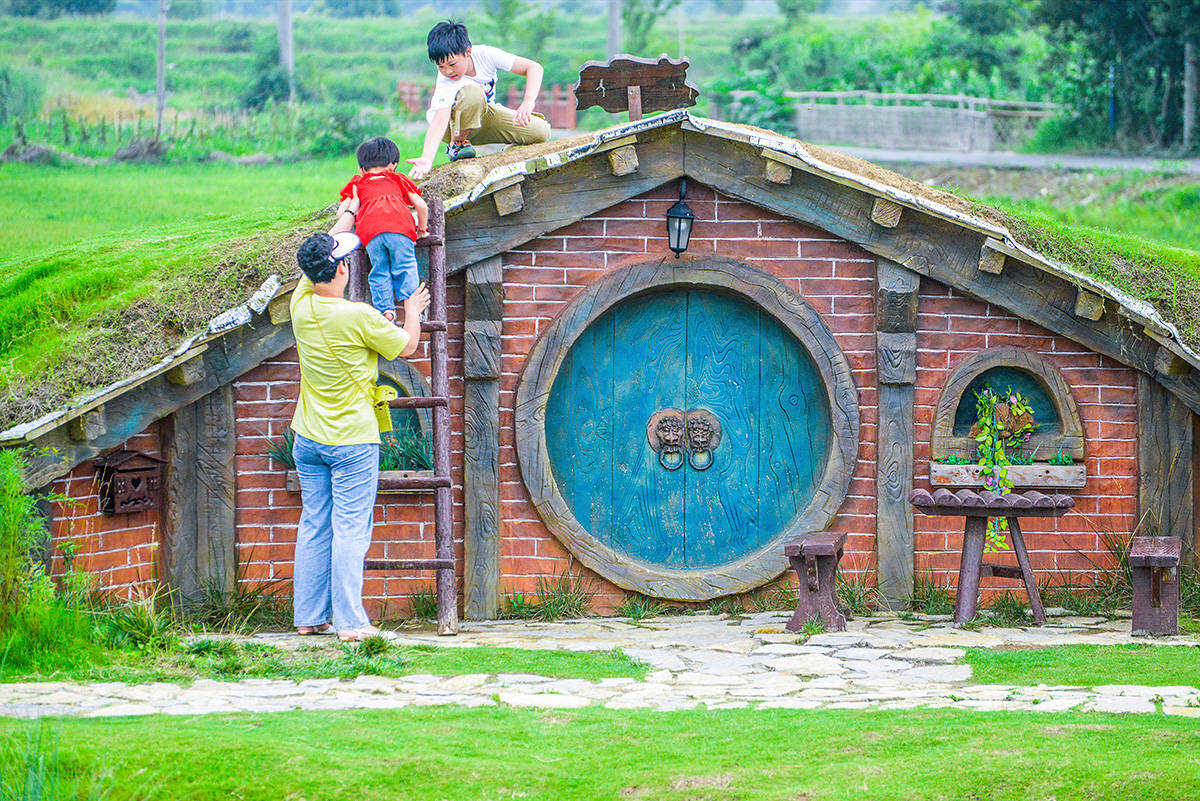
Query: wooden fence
911	121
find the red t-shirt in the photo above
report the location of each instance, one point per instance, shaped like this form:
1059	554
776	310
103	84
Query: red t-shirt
383	205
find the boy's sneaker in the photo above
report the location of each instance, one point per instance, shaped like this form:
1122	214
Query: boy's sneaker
460	150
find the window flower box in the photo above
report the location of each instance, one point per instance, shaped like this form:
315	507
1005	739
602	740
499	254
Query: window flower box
1023	476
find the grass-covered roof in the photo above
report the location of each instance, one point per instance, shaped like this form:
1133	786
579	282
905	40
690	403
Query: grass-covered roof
79	318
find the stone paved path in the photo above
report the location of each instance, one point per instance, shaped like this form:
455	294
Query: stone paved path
720	662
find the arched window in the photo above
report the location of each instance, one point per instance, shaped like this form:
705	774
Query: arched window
1033	376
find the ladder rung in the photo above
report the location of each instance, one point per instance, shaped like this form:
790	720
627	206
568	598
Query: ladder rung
386	483
433	325
408	564
429	241
417	402
1001	571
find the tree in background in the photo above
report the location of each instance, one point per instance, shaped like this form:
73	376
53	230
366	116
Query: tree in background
796	11
1126	62
637	20
517	25
55	8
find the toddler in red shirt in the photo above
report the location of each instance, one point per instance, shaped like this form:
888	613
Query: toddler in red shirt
385	224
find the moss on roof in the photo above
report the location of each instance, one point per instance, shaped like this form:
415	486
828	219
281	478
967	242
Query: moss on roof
66	330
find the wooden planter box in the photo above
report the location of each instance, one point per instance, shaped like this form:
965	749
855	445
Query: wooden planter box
1028	476
293	481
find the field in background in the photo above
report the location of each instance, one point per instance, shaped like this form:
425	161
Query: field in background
55	206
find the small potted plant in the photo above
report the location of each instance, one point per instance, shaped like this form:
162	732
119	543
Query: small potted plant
404	453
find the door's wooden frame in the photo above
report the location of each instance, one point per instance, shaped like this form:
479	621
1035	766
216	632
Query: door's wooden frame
770	295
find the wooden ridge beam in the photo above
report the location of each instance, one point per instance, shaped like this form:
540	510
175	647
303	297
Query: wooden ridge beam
508	200
623	160
88	426
1088	305
991	257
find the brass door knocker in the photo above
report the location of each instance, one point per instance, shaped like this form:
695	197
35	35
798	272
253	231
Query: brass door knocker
664	431
702	434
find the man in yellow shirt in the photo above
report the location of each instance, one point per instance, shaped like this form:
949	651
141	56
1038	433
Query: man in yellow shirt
337	435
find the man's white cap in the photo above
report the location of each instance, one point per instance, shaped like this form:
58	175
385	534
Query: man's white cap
345	243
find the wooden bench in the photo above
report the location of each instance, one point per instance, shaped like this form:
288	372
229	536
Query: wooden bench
977	507
815	559
1154	563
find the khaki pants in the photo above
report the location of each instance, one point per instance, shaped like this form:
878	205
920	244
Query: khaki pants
490	123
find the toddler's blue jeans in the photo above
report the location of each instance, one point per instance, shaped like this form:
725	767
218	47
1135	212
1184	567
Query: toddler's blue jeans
393	275
338	486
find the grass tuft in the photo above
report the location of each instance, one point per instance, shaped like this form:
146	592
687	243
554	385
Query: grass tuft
930	597
640	607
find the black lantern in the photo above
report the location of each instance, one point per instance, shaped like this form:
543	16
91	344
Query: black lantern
679	222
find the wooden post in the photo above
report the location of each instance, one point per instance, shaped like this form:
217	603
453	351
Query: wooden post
1190	90
481	434
447	591
1166	480
896	294
635	102
614	27
199	537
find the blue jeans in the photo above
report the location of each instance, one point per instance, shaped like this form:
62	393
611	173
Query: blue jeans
393	275
338	485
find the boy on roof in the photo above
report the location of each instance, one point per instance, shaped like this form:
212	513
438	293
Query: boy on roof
463	109
384	222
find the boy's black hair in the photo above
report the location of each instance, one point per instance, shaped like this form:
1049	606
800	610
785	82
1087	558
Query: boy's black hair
447	39
315	257
377	152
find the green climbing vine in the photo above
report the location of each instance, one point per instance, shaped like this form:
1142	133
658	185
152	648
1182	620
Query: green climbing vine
1003	425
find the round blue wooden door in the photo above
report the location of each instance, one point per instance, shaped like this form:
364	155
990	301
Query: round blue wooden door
718	363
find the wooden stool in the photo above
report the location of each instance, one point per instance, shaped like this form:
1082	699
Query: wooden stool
1154	562
977	507
815	559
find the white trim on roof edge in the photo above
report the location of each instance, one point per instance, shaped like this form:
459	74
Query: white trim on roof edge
1137	309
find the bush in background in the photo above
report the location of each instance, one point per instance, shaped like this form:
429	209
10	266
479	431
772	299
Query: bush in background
21	93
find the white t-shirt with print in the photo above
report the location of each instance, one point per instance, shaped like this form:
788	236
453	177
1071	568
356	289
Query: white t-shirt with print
488	60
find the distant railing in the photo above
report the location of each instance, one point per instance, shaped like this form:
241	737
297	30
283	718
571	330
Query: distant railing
556	103
915	121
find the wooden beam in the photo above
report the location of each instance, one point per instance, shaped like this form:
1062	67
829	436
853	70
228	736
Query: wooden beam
886	213
991	257
88	426
280	309
1168	362
508	200
1166	480
931	246
132	411
896	297
1088	305
623	160
199	535
896	293
188	373
484	311
776	171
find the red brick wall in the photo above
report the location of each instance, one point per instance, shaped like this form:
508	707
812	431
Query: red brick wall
267	513
121	552
952	327
541	277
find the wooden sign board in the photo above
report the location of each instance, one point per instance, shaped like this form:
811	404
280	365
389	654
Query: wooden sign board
635	84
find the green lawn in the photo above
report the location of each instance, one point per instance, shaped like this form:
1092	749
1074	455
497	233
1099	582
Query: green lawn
1088	665
49	207
595	753
228	661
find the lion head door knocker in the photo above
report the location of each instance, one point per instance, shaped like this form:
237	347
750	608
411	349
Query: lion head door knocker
664	430
702	434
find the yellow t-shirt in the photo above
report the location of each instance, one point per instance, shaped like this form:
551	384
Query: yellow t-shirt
339	365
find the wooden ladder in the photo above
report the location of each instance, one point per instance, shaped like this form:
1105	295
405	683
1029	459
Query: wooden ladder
439	402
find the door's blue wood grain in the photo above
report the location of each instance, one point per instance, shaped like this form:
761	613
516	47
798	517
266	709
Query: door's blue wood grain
649	358
795	435
579	427
723	377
